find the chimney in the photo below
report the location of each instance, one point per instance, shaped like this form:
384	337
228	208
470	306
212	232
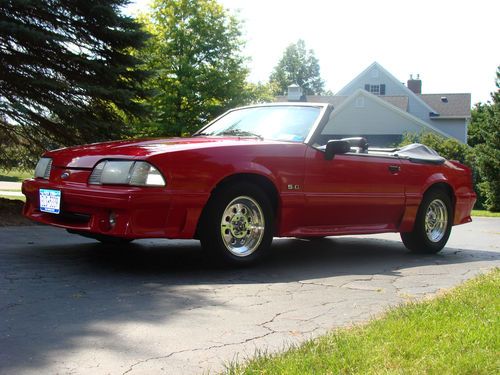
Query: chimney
415	85
295	93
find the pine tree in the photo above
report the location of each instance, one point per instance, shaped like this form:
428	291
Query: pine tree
66	74
486	130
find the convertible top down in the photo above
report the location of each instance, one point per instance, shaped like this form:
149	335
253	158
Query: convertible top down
252	174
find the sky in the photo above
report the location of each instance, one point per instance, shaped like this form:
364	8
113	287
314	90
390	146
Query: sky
450	44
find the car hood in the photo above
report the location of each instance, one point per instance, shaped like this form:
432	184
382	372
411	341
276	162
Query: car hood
87	156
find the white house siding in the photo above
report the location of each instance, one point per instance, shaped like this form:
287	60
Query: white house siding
376	76
365	116
453	127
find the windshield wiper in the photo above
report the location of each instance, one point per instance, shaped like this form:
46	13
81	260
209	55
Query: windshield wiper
242	133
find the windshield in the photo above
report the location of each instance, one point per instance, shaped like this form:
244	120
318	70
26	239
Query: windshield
286	123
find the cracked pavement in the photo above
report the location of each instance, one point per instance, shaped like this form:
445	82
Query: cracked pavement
70	305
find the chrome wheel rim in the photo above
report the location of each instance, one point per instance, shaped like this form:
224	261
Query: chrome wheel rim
242	226
436	220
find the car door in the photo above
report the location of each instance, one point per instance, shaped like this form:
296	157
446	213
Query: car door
353	193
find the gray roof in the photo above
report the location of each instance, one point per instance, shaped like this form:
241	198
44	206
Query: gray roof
397	101
449	105
335	100
400	102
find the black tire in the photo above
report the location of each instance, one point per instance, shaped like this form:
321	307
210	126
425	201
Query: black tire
240	212
434	238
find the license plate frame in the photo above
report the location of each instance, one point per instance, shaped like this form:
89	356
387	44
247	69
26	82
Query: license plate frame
50	201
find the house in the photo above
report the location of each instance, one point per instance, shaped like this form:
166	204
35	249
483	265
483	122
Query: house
379	107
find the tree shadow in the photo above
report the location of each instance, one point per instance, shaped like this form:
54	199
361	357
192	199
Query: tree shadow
290	260
10	178
60	292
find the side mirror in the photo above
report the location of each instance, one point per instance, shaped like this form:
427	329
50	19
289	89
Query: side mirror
336	147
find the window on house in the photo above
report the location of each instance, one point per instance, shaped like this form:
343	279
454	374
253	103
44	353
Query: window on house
360	102
375	89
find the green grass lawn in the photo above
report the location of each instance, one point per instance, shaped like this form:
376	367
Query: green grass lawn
456	333
15	175
485	213
23	198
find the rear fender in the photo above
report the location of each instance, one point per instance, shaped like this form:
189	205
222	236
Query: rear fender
413	200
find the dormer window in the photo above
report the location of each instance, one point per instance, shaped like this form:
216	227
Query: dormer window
375	89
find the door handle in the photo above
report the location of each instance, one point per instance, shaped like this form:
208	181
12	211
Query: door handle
394	168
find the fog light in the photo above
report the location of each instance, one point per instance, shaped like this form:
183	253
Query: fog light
112	219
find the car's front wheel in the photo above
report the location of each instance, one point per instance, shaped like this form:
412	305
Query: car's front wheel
237	224
432	224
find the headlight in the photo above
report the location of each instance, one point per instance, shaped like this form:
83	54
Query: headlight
43	167
122	172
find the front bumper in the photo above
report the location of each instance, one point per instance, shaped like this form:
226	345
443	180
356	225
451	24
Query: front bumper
139	212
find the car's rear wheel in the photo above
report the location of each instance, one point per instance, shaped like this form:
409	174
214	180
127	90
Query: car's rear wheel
432	224
237	224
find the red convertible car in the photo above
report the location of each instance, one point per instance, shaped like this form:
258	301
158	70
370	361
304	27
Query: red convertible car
252	174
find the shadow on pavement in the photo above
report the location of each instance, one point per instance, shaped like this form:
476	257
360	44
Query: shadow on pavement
64	296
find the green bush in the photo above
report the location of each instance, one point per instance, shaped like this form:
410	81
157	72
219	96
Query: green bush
484	135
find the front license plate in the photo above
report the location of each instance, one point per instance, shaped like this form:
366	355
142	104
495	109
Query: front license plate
50	201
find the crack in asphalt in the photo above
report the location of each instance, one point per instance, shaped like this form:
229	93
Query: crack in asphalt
263	325
131	368
274	317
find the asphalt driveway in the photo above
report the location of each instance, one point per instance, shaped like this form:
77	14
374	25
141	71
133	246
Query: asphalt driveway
69	305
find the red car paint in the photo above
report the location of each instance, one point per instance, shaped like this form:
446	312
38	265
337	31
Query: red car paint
351	194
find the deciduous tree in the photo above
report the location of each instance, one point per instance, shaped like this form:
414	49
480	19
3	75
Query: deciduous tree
298	66
198	68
